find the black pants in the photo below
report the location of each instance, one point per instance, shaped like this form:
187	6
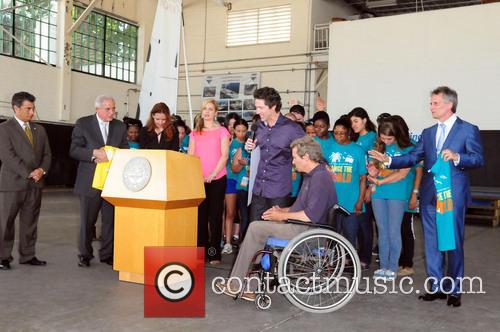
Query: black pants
261	204
365	234
242	197
210	215
89	210
408	240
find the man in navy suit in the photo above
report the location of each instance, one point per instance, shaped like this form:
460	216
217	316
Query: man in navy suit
458	141
90	135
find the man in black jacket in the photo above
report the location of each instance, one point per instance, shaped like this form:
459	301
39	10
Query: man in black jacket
90	135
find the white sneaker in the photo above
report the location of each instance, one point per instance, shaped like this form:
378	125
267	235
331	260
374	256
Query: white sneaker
228	249
390	275
379	274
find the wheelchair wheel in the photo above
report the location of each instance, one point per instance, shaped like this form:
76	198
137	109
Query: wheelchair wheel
263	301
319	270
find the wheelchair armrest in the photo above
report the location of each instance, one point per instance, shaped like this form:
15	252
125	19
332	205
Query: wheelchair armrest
308	224
340	209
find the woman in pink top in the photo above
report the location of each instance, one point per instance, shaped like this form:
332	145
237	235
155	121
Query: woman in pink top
209	141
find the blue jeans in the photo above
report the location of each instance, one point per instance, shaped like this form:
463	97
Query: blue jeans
348	226
389	216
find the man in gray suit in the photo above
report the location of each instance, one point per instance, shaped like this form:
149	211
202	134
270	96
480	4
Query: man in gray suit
25	155
90	135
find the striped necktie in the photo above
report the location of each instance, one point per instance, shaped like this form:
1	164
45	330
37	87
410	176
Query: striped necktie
28	133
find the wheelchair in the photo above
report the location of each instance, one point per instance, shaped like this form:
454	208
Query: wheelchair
319	269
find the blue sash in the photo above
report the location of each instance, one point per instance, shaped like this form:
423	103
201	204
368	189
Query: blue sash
445	224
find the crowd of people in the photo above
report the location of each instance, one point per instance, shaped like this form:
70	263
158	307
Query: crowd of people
305	166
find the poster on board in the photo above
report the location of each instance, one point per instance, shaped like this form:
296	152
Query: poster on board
233	92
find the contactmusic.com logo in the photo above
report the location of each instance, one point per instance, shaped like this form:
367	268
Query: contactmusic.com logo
174	279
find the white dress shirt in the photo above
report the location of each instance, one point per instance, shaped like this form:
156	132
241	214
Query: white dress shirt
449	124
103	127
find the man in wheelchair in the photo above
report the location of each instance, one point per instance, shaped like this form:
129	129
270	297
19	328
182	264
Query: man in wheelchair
316	196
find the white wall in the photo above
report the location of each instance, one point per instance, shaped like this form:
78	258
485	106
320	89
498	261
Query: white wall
209	55
391	64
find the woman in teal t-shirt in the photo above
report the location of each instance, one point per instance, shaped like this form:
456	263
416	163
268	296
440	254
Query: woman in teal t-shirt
389	197
348	164
364	130
240	167
365	135
324	137
240	128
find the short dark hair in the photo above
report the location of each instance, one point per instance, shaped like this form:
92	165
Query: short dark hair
449	95
270	96
240	122
323	116
299	109
19	97
230	116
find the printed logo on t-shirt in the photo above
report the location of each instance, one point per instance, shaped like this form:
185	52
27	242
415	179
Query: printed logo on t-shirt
341	166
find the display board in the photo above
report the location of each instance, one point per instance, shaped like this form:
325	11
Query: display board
234	93
391	64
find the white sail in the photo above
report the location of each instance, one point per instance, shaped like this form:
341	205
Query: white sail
161	71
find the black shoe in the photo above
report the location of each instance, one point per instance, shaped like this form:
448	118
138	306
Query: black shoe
432	296
108	261
83	261
454	300
35	262
4	264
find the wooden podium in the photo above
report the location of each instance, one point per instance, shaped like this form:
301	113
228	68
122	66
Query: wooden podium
156	194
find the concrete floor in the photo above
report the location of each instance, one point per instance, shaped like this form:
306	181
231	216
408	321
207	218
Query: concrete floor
65	297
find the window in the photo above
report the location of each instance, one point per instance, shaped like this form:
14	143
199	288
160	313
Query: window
88	43
105	46
259	26
35	25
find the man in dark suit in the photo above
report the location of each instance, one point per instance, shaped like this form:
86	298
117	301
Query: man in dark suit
90	135
25	155
459	142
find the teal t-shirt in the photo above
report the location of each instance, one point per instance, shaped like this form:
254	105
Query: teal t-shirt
444	205
367	141
233	147
184	144
242	177
326	144
133	145
395	190
348	164
296	181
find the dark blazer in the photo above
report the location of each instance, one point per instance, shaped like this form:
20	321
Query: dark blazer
463	139
85	138
19	158
149	140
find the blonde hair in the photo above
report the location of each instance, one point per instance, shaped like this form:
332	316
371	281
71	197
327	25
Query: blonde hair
200	124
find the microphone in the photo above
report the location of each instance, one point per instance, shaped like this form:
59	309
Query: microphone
254	127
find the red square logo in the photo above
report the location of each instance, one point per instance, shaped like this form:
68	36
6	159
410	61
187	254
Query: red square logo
174	282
